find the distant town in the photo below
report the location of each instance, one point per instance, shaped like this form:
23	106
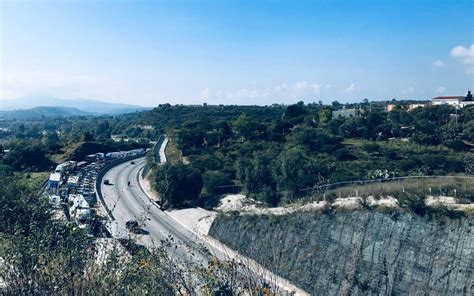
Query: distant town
71	188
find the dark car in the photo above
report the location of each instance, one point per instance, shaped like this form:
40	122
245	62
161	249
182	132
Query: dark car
132	162
106	182
134	227
132	224
134	248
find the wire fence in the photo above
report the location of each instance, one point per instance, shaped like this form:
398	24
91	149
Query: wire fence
456	186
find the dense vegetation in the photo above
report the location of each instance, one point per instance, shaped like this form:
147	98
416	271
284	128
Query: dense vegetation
43	256
272	158
37	144
270	153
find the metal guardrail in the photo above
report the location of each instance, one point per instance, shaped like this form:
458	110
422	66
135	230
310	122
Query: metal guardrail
101	175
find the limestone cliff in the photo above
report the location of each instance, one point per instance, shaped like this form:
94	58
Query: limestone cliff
359	252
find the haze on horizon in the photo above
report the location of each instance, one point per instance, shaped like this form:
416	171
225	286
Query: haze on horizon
236	52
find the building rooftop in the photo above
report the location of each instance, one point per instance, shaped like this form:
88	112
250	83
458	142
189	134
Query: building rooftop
449	98
55	177
73	179
78	201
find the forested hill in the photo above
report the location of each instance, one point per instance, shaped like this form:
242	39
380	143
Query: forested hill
272	153
41	112
165	115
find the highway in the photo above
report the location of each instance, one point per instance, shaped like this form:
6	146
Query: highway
132	203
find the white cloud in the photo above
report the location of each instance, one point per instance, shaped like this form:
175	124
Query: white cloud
409	90
301	85
281	87
316	88
205	93
299	90
438	64
441	89
306	86
351	88
469	71
465	55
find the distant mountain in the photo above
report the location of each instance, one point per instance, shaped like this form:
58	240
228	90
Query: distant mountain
87	105
40	112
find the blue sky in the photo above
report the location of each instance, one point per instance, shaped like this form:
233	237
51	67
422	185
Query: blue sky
236	52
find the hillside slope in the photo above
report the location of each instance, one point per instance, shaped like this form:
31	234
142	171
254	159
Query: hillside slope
40	112
359	252
87	105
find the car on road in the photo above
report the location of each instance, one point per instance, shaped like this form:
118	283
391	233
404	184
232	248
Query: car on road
132	162
134	227
132	224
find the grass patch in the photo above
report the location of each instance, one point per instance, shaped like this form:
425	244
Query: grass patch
173	155
32	181
437	186
410	193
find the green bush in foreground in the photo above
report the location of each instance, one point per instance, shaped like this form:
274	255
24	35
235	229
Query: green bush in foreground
42	256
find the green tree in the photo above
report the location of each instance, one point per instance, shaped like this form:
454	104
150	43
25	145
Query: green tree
52	142
244	126
178	184
314	139
87	137
224	132
468	130
295	113
213	182
278	129
295	171
256	177
27	155
325	115
102	131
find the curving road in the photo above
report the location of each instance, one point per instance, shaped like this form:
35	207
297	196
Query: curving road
132	203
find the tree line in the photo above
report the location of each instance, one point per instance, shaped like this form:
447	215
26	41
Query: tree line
272	158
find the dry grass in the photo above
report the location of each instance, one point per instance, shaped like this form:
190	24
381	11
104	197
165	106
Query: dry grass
459	187
33	181
173	155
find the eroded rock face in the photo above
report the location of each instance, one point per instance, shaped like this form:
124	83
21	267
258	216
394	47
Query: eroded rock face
359	252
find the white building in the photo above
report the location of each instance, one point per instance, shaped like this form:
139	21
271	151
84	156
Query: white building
66	166
72	182
54	180
345	113
414	106
55	200
79	209
457	101
448	100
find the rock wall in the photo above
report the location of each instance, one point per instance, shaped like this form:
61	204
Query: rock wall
359	252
